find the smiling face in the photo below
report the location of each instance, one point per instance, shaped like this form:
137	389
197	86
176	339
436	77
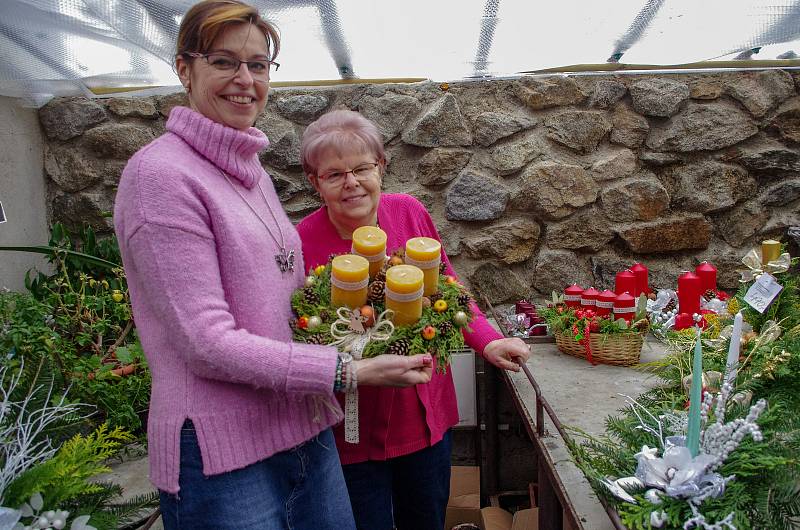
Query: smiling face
232	98
351	203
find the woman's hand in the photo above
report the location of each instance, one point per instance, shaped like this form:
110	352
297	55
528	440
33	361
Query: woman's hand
394	370
503	352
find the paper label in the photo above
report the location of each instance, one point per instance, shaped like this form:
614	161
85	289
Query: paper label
762	292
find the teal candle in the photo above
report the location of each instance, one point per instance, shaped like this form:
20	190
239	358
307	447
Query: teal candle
695	396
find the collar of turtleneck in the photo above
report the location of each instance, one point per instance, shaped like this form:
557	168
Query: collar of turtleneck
231	150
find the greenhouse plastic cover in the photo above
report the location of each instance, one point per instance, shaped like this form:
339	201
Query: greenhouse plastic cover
63	47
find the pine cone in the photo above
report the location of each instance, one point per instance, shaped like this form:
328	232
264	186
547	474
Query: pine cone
381	276
376	291
445	327
293	325
399	347
325	315
442	267
310	296
317	338
435	296
710	294
671	305
464	299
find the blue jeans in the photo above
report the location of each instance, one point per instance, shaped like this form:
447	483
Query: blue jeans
299	489
408	492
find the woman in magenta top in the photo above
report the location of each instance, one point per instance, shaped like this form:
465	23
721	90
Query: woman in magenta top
398	476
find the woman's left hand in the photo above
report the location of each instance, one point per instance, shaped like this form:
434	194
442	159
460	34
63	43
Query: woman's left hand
503	352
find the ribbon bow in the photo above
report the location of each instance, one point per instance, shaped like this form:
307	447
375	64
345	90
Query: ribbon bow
352	337
752	261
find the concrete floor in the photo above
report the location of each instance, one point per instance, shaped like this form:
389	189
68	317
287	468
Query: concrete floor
132	475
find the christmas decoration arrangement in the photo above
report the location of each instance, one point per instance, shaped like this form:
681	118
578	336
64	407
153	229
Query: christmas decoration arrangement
368	304
715	446
604	327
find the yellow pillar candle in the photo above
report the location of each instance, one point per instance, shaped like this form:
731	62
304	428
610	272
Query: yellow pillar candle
370	243
349	280
770	251
425	253
404	284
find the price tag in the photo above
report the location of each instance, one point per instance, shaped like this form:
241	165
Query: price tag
762	292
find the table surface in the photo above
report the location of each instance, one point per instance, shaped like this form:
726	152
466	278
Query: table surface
582	396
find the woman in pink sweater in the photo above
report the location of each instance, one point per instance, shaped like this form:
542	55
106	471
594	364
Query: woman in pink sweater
239	425
398	476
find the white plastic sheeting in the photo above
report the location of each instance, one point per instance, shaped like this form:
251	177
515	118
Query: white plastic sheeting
61	47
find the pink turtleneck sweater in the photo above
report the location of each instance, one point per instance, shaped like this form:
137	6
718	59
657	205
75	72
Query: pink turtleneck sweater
210	304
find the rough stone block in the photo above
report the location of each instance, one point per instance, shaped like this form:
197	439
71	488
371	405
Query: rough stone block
668	234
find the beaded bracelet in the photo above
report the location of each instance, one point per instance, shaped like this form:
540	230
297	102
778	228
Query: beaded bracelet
338	384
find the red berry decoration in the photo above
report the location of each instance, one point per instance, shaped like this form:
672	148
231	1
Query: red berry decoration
302	322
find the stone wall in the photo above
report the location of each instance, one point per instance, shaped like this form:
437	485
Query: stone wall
534	182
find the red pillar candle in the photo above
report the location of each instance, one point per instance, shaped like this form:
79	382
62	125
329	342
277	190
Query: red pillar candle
625	307
572	295
689	292
641	274
708	276
589	298
605	303
625	282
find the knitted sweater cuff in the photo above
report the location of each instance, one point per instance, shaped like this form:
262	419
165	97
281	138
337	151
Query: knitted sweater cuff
312	369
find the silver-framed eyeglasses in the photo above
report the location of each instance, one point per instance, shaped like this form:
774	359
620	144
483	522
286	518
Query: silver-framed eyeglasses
361	173
258	68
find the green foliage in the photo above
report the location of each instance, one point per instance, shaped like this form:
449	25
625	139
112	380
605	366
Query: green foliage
76	326
66	474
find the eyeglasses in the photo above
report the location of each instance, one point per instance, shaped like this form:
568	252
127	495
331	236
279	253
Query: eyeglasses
223	62
360	173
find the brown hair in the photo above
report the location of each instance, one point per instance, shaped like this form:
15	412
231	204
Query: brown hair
206	20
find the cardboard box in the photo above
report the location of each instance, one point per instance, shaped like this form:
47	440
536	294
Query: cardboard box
493	518
464	505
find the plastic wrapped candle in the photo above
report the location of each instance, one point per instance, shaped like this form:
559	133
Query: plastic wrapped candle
689	292
625	282
589	298
605	303
625	307
349	280
404	286
641	274
572	295
425	253
369	242
708	276
770	251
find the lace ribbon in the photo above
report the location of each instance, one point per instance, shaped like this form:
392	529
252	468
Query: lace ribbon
431	263
349	286
404	297
372	258
351	341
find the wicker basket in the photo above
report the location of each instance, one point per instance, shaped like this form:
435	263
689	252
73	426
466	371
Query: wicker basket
622	349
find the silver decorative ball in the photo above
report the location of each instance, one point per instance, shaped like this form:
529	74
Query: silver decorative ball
314	322
310	280
460	318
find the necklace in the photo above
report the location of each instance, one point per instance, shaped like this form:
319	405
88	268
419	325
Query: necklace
284	259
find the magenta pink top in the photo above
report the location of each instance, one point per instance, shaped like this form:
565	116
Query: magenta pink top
211	307
394	421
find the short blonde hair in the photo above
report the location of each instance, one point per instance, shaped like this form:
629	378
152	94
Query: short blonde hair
207	20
